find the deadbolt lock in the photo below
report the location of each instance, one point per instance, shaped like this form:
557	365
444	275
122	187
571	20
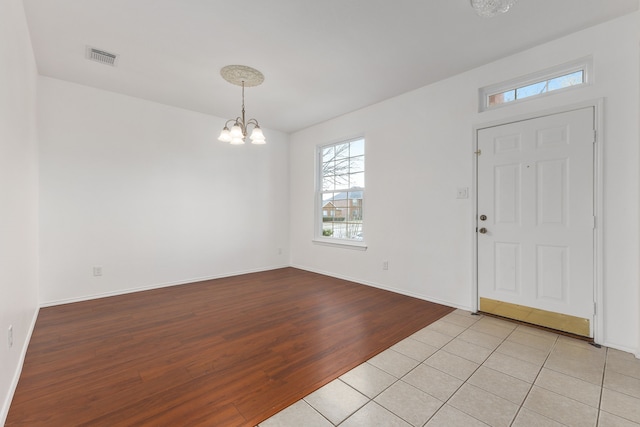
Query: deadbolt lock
483	217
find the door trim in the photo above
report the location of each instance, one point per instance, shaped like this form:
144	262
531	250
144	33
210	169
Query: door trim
598	193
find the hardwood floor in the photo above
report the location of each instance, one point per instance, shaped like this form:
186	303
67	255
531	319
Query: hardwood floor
226	352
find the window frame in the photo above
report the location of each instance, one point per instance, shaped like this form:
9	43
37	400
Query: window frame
583	64
318	237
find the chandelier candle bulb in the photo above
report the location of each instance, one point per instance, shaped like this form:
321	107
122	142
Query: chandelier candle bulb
257	137
225	135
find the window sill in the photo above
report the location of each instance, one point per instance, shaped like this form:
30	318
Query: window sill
358	246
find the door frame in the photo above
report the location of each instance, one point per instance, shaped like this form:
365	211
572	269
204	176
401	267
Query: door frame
598	193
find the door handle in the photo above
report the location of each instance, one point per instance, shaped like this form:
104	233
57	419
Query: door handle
483	230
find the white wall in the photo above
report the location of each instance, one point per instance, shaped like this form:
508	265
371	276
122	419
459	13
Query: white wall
419	150
18	195
148	193
638	121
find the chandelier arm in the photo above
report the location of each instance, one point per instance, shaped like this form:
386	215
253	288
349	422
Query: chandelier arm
229	121
237	121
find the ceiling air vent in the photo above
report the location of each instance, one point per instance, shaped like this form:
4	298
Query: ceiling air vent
101	56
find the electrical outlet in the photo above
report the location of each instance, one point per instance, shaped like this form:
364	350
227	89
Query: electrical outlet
385	265
463	193
10	336
97	271
279	251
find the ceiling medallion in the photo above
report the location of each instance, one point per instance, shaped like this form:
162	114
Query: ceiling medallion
490	8
237	74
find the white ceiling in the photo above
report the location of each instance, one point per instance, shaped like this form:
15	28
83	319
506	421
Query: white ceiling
320	58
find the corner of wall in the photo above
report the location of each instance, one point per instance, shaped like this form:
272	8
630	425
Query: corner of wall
16	377
19	166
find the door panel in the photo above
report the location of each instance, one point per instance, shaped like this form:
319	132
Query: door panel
507	257
552	269
535	186
507	194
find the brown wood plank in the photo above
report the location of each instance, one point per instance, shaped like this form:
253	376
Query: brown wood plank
226	352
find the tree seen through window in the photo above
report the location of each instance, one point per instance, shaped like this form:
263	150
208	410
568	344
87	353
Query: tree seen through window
342	190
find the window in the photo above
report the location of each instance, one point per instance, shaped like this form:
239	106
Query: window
341	191
535	85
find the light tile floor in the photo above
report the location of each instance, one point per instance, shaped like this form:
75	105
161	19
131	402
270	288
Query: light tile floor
466	370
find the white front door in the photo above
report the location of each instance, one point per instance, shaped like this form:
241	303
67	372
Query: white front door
535	188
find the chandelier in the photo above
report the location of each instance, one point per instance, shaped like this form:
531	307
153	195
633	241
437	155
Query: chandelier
244	76
490	8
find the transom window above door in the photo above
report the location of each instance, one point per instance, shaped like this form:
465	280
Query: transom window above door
566	76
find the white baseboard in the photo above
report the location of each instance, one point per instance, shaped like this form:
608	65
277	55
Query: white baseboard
383	287
16	376
622	348
154	286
